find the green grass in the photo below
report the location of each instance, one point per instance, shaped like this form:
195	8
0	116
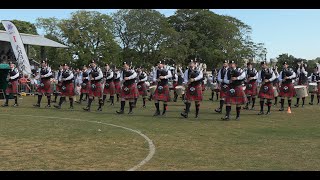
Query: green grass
280	141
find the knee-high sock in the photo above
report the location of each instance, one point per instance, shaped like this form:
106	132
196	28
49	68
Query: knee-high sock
49	100
282	103
289	103
157	106
197	108
188	104
261	105
212	94
81	96
221	104
135	101
131	104
217	95
269	105
238	111
253	101
71	101
144	101
276	100
165	107
7	99
228	109
55	96
318	97
303	100
312	97
123	104
15	99
39	99
104	97
62	99
89	102
298	99
112	99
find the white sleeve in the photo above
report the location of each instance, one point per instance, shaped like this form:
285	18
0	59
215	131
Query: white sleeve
154	75
225	79
185	77
304	71
121	76
273	77
220	79
134	75
293	75
200	76
256	76
259	77
100	74
169	75
70	76
15	76
110	76
49	73
280	76
242	76
145	77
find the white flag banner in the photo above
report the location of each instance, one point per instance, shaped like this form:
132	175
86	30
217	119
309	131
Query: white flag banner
17	47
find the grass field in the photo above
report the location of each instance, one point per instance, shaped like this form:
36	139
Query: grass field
72	140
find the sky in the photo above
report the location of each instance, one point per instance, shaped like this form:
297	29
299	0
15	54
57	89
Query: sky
291	31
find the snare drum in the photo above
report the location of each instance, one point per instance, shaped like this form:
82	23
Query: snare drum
180	90
301	91
313	87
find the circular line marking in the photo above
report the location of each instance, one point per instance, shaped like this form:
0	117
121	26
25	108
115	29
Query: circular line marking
152	148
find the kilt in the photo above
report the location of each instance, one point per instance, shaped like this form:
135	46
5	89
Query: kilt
203	86
253	91
197	95
13	89
164	95
69	89
269	94
290	90
131	93
86	89
117	86
223	90
318	88
111	90
58	87
97	92
46	89
238	98
142	88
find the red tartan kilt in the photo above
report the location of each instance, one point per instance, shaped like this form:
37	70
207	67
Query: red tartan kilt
143	89
111	90
198	93
164	96
238	98
133	92
203	87
58	87
12	89
223	93
86	89
117	86
46	88
69	89
254	89
175	84
269	94
318	88
97	92
290	93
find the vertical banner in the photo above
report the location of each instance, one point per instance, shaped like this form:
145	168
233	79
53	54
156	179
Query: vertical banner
17	47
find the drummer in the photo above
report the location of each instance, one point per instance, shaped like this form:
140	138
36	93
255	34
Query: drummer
286	90
302	80
315	78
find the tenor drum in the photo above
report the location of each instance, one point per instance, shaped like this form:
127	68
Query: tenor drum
313	87
301	91
147	84
276	93
170	84
180	90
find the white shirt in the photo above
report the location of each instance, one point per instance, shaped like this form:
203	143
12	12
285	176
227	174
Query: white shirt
241	77
186	74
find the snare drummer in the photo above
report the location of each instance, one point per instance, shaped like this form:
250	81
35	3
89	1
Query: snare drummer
315	78
302	80
286	90
266	77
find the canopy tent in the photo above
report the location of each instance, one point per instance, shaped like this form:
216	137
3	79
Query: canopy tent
4	69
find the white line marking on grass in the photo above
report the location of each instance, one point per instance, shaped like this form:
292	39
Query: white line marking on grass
152	148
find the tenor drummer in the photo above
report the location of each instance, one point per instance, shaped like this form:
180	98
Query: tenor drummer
287	89
315	78
266	77
302	80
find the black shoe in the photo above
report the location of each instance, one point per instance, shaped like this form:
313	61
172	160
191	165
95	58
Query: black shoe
130	112
246	107
36	105
112	104
86	109
99	109
211	99
218	110
184	114
57	106
281	109
120	112
78	102
157	113
238	118
226	118
4	105
163	113
274	104
144	106
261	113
15	105
48	106
71	107
175	100
197	116
310	103
252	108
268	113
296	105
